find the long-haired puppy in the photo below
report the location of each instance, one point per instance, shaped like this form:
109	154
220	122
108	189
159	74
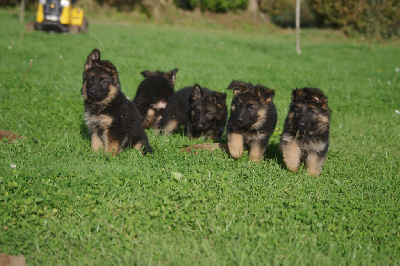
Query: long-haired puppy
201	111
305	135
113	120
152	95
252	120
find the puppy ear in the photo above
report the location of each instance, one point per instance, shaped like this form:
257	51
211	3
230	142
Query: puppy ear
107	65
237	87
320	99
197	93
317	96
171	75
94	55
297	94
264	94
270	92
146	73
219	98
234	84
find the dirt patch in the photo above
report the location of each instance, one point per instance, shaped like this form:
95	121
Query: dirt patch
8	260
11	137
205	146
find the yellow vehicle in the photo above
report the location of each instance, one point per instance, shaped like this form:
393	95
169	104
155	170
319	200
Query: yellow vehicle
60	15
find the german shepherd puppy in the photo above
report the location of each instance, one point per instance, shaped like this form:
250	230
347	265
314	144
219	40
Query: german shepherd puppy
113	120
203	112
252	120
305	135
152	95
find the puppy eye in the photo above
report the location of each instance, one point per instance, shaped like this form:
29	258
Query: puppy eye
104	82
311	112
251	108
208	114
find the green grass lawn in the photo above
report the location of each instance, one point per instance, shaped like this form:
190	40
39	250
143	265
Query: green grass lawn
62	204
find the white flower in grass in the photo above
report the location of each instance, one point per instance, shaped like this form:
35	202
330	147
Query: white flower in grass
177	176
389	82
9	47
60	56
13	166
397	70
397	112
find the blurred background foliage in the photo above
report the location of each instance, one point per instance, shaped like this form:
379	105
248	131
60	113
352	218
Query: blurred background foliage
374	19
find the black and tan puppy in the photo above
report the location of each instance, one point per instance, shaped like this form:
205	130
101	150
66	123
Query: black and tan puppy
201	111
152	95
252	120
306	131
113	120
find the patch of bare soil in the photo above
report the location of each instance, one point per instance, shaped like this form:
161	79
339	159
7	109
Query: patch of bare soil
11	137
8	260
205	146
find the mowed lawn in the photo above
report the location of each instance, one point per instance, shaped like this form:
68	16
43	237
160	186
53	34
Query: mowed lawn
62	204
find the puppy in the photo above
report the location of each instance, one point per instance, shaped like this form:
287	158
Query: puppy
152	95
252	120
113	120
305	135
201	111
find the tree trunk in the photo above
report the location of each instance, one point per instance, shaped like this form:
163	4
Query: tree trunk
298	27
152	8
253	6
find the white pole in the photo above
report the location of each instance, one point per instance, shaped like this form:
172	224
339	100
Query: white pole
22	11
298	27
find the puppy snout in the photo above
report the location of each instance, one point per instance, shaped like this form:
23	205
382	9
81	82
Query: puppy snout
240	121
92	91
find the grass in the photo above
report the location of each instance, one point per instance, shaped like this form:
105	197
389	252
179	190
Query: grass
62	204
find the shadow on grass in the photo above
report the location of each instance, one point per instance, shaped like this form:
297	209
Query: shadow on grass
273	152
84	131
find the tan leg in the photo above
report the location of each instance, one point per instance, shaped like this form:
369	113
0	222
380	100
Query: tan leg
170	127
256	151
157	123
149	119
314	164
291	155
96	141
235	145
113	147
138	145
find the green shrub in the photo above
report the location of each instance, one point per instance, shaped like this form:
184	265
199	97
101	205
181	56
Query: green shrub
275	7
283	12
373	18
187	4
213	5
